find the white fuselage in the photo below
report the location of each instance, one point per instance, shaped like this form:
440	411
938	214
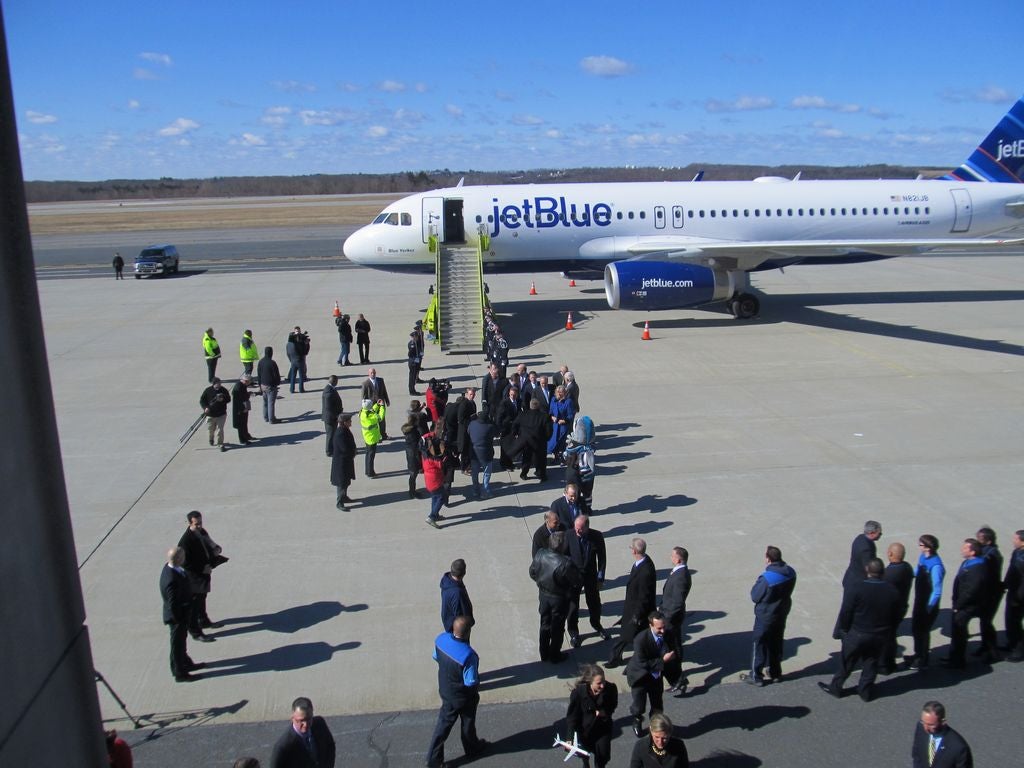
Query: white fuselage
565	226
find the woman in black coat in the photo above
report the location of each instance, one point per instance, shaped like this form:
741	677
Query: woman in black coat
660	749
343	459
591	705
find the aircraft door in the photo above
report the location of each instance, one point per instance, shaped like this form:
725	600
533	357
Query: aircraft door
677	216
454	227
659	216
962	210
433	219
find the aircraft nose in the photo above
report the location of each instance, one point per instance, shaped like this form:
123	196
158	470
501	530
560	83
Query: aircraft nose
356	245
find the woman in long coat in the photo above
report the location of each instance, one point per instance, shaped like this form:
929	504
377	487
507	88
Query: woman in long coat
343	459
561	412
591	706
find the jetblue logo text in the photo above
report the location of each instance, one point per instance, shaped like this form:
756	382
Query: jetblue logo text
1010	149
657	282
548	212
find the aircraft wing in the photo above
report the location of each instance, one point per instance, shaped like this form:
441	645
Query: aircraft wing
738	254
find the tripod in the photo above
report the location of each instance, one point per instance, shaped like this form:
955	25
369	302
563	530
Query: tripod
100	679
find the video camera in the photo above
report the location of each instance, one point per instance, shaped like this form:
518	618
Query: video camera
440	386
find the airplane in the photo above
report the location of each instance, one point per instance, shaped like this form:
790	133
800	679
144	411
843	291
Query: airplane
574	748
669	245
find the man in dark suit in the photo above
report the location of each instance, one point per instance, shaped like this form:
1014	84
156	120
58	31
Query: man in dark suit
652	652
673	605
866	619
1013	583
177	597
588	554
202	555
307	743
534	429
557	580
330	409
936	745
900	574
492	391
507	412
567	506
641	595
861	551
541	536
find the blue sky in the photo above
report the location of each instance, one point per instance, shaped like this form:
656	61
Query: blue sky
113	89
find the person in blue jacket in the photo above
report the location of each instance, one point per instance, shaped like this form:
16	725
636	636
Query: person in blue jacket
772	594
927	594
458	680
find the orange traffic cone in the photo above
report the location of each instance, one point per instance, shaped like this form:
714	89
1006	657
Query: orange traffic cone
572	283
647	332
533	288
568	322
337	310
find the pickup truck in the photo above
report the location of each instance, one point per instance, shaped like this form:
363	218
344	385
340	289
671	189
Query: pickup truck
156	260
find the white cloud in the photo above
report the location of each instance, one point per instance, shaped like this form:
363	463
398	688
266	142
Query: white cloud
276	115
377	132
293	86
141	73
989	94
325	117
421	88
742	104
526	120
553	133
348	87
156	58
134	104
252	140
408	117
179	127
605	66
819	102
39	118
391	86
454	111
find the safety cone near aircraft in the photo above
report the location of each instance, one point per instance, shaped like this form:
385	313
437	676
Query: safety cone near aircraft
533	288
337	310
647	332
568	322
572	283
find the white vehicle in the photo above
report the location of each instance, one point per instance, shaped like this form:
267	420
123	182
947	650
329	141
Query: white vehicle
574	748
666	245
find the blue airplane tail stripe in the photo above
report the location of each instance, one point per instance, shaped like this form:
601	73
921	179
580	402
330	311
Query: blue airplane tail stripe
1000	157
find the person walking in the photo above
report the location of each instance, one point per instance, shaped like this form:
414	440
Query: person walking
641	596
211	350
434	478
480	435
458	680
269	376
653	652
1013	583
455	600
866	619
588	719
673	605
660	749
308	742
118	266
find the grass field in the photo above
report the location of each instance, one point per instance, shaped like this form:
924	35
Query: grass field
210	213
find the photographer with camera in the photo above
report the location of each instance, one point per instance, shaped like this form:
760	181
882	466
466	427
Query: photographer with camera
297	350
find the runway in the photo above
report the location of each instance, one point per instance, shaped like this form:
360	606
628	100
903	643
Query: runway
890	390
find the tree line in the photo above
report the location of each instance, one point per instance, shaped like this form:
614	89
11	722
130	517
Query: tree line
410	181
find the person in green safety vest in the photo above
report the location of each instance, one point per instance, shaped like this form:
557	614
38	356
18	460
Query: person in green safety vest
247	352
211	349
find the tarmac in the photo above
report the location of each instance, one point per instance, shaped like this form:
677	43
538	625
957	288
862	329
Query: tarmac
890	390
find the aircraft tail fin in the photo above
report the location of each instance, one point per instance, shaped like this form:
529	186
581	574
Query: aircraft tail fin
1000	157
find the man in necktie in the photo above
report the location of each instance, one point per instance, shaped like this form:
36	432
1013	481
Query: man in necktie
587	552
177	597
936	745
646	668
307	743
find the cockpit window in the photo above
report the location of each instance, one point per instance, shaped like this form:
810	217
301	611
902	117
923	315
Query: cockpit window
406	219
380	218
387	218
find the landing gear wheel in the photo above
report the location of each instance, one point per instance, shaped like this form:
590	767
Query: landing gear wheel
745	306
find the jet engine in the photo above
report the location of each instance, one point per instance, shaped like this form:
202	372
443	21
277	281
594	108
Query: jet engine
663	285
